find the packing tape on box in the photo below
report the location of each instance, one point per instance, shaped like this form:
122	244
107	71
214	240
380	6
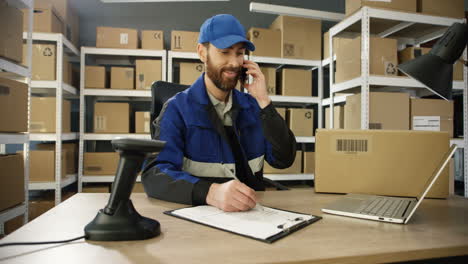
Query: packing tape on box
93	168
146	116
38	126
147	127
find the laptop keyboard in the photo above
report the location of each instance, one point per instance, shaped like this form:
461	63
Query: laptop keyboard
381	206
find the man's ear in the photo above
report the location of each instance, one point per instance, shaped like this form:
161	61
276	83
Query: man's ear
202	52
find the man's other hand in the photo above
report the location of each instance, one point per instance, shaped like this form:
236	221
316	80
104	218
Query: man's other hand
231	196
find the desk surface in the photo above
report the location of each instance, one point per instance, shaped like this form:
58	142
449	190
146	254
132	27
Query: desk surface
439	228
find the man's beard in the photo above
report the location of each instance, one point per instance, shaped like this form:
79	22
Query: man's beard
216	76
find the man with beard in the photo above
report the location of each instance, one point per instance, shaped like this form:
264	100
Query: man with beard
217	137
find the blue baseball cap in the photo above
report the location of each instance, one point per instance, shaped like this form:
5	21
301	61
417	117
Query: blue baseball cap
223	31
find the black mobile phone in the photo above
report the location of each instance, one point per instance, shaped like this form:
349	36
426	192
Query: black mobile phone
243	76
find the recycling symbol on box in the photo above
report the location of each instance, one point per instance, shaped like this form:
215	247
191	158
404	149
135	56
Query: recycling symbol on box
47	52
256	34
199	68
390	69
308	115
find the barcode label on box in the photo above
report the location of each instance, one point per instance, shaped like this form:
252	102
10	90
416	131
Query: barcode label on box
124	38
100	123
351	145
426	123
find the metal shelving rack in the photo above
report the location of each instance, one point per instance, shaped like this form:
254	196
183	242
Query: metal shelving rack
19	71
60	90
107	94
408	28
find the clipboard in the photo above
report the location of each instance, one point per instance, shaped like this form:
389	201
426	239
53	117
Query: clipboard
283	222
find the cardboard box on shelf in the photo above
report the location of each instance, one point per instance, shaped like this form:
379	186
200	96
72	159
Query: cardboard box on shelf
95	77
309	162
45	202
13	224
138	188
282	112
42	165
111	118
43	111
295	82
301	38
184	41
432	115
122	78
142	122
386	111
96	188
447	8
381	162
270	79
100	163
46	19
67	70
337	41
118	38
12	175
399	5
414	52
338	117
71	155
267	41
69	17
295	168
43	61
13	106
11	31
152	39
382	58
301	122
147	72
190	71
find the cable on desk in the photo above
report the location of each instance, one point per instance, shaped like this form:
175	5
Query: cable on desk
40	243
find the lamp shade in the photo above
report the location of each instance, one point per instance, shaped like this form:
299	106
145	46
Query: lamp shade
435	68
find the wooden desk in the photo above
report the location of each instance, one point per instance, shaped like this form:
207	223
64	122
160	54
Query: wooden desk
438	229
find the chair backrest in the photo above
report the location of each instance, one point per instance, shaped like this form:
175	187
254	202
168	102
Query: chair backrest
161	92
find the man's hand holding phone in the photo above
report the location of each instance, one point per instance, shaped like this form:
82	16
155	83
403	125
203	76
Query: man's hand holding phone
258	87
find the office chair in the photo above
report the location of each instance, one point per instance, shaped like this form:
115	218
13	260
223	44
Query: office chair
161	92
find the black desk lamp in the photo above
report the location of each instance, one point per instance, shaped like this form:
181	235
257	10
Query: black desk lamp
435	68
119	220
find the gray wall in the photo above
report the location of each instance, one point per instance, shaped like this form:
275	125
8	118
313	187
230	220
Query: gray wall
180	16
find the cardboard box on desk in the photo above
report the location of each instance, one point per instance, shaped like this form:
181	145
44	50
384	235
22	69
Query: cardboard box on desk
100	163
432	115
42	165
270	79
381	162
46	19
13	106
301	38
295	168
301	122
71	155
184	41
295	82
386	111
111	118
411	53
117	38
338	117
152	39
95	77
147	72
12	179
447	8
399	5
11	31
382	58
142	122
43	111
267	42
122	78
190	71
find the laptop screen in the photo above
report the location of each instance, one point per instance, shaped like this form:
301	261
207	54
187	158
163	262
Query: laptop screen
443	163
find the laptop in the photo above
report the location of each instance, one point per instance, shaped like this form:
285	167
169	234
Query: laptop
385	208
